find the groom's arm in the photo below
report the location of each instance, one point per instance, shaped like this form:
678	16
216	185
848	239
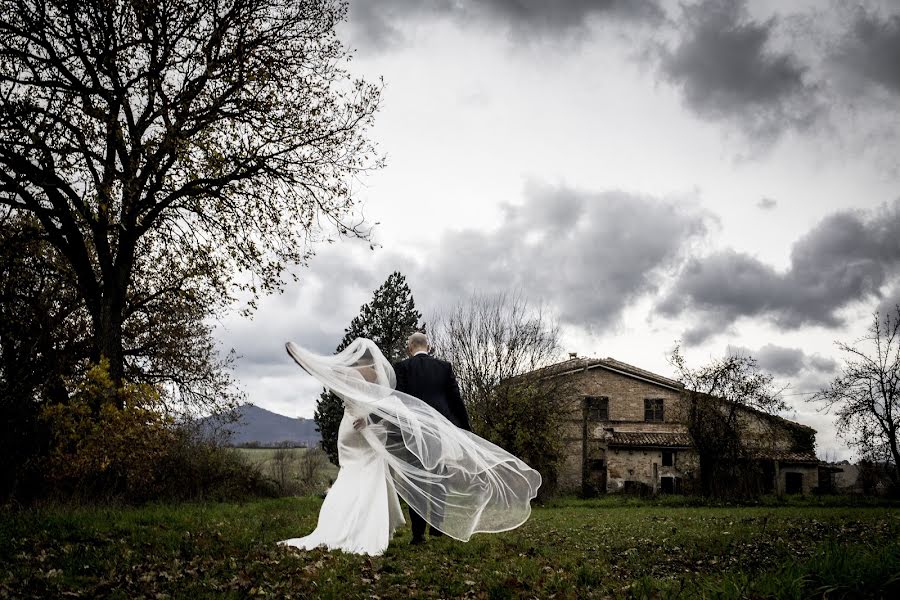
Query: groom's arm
455	402
400	373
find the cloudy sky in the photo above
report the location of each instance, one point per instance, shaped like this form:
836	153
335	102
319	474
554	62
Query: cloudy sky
722	173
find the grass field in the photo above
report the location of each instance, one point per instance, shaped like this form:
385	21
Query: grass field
263	459
613	547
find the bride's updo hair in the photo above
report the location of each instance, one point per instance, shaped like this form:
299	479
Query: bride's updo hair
368	373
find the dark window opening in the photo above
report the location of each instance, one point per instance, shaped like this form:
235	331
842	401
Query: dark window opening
594	478
668	458
670	485
596	465
653	409
793	483
597	408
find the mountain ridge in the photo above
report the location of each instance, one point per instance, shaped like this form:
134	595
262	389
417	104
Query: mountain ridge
264	427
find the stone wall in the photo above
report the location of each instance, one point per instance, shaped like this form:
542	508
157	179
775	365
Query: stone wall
626	396
809	473
645	465
626	413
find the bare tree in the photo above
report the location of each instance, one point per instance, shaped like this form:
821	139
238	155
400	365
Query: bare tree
281	467
497	344
720	400
493	338
309	469
191	140
865	396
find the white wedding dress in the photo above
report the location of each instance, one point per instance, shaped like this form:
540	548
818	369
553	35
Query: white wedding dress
361	510
460	483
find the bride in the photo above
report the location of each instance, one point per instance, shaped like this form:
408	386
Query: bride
392	444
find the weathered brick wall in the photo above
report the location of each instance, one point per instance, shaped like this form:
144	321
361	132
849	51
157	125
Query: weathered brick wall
626	412
810	477
626	395
637	465
570	470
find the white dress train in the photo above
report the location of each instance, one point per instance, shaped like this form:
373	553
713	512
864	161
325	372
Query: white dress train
361	510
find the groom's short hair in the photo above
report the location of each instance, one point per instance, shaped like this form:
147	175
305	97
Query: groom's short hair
417	340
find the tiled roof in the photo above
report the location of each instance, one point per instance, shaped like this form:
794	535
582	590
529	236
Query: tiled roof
655	439
578	364
621	366
785	456
640	439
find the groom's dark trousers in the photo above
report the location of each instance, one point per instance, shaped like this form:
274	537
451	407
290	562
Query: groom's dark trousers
432	381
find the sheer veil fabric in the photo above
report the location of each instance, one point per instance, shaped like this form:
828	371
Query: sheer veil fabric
460	483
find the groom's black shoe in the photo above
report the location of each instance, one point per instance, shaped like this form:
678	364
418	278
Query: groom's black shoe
435	532
417	541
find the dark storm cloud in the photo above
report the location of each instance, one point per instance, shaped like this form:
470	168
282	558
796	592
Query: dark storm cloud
587	255
847	257
890	303
727	70
381	23
870	51
780	360
562	15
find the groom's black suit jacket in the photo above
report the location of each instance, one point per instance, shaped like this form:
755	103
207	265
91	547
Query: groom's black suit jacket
432	381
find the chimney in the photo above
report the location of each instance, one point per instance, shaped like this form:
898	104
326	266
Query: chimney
573	355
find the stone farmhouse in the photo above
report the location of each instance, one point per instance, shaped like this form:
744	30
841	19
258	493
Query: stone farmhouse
624	430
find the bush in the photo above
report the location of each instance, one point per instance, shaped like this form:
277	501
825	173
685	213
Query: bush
297	471
525	421
118	443
99	449
196	469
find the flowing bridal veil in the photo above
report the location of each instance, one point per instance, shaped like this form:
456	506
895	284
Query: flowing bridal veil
459	482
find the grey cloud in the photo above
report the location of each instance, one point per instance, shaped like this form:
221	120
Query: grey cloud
847	257
766	203
781	360
890	304
700	332
381	24
869	52
823	364
727	71
778	360
562	15
586	254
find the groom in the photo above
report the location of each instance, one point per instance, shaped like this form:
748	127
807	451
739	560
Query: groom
432	381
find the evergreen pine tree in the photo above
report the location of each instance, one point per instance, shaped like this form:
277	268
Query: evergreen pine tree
388	320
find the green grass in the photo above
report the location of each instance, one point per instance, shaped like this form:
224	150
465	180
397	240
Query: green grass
263	459
612	547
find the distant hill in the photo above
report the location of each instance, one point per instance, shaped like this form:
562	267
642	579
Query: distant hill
267	428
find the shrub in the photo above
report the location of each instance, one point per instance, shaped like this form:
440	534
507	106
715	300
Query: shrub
196	469
111	442
99	449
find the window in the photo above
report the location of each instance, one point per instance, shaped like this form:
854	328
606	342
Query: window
668	458
793	483
653	409
596	408
670	485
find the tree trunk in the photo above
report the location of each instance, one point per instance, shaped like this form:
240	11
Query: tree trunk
895	451
109	320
